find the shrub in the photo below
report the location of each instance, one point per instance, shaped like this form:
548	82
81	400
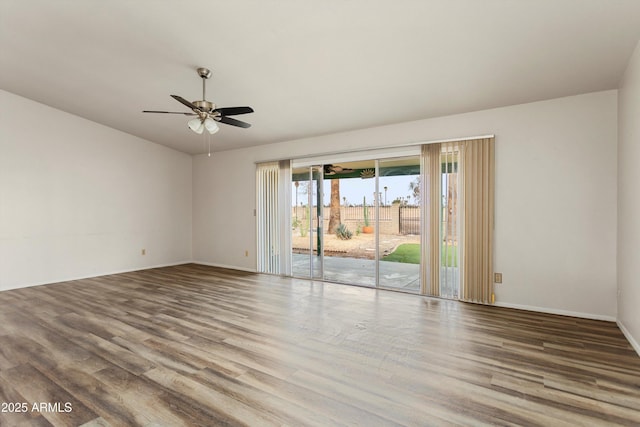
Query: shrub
343	233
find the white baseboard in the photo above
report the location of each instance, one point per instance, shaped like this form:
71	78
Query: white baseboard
556	311
90	276
230	267
629	337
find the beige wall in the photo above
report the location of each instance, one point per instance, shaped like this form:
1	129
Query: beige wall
555	237
80	199
629	202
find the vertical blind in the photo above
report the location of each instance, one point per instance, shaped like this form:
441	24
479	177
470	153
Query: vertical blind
478	176
458	216
431	184
273	180
267	210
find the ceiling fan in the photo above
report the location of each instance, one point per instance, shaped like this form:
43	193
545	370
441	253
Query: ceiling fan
207	113
335	169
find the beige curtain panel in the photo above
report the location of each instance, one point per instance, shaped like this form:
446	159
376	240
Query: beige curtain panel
477	197
467	229
431	187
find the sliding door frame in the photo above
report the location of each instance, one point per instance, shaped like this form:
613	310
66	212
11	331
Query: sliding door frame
376	155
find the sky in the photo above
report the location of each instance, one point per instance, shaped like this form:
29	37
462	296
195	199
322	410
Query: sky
354	189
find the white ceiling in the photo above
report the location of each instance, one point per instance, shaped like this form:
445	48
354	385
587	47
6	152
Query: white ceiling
307	67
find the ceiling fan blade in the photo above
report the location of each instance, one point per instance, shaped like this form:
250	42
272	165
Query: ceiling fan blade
234	111
169	112
233	122
185	102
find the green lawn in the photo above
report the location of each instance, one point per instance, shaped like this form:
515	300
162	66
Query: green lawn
409	253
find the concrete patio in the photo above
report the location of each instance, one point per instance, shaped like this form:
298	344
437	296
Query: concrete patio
393	275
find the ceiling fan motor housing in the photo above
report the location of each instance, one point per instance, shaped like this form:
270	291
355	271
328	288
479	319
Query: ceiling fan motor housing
205	105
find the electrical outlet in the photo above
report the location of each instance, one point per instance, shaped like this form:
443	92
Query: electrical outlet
497	277
246	253
144	252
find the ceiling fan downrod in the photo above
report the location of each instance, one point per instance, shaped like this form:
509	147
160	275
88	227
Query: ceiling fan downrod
203	104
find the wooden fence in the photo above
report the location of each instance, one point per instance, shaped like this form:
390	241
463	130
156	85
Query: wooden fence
394	219
353	217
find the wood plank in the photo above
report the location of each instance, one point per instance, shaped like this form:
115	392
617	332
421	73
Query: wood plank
47	398
196	345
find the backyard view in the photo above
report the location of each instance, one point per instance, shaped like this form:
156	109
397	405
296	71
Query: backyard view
359	244
342	246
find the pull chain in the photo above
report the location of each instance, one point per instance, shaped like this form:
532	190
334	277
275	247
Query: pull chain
206	141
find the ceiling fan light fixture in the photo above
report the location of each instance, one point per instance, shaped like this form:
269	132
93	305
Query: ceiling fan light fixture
211	125
196	125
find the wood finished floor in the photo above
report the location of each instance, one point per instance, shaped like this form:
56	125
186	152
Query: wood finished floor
195	345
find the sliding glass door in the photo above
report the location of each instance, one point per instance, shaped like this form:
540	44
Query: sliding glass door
350	240
358	222
399	223
421	222
449	223
307	222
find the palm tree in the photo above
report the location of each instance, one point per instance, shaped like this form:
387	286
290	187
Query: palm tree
297	184
334	207
414	187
